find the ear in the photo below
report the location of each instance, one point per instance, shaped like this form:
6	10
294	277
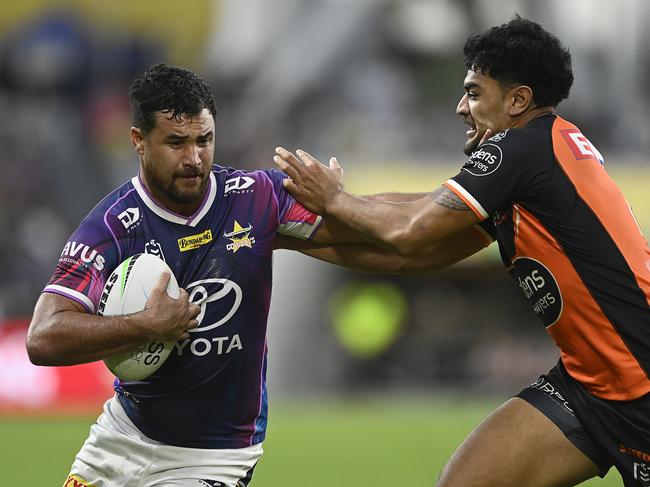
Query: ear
521	100
137	140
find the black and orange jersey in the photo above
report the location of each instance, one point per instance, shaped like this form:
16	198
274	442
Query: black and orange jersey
569	239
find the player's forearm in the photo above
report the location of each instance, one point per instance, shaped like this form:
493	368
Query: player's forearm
388	224
365	258
73	337
370	258
395	197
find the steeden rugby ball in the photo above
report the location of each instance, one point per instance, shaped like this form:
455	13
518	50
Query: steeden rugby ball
126	291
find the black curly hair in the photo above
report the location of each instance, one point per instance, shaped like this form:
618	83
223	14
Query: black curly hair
165	88
522	52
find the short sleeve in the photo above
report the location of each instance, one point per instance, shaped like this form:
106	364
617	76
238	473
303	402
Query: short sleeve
499	172
294	219
87	260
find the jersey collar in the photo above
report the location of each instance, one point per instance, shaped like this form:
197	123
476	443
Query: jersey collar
164	213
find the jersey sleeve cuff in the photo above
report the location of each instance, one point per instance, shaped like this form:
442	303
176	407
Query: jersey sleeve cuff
301	229
71	294
469	200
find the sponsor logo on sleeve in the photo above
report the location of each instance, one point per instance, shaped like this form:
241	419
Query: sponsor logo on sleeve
194	241
239	185
540	288
485	160
78	252
129	217
239	237
580	145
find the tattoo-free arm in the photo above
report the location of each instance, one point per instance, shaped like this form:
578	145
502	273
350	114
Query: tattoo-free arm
63	333
371	258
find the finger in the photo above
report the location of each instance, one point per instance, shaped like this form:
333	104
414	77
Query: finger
288	155
194	310
306	157
290	186
183	296
161	283
488	133
193	324
287	168
334	165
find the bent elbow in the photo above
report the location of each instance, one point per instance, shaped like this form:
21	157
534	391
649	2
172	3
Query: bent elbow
35	351
39	350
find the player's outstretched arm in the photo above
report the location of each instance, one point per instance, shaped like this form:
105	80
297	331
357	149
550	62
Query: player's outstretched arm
410	228
336	232
372	258
62	332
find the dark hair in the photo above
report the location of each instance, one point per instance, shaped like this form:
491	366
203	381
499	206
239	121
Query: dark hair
165	88
522	52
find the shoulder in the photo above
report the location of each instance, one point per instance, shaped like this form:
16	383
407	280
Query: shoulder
118	208
239	181
516	146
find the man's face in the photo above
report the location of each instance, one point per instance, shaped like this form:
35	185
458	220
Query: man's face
485	105
176	157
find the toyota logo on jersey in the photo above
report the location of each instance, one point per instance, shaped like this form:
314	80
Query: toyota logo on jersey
208	291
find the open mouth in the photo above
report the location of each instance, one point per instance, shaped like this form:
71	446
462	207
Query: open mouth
472	129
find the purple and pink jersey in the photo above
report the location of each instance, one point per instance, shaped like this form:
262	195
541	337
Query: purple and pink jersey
211	391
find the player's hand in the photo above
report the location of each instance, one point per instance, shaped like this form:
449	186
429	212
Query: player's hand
488	133
166	318
312	183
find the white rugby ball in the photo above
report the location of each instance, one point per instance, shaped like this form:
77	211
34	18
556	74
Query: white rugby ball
126	291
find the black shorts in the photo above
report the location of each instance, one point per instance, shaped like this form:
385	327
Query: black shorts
610	433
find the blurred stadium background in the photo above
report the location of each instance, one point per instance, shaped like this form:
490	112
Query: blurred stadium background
373	379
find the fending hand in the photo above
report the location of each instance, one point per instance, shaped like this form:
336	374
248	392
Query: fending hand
312	183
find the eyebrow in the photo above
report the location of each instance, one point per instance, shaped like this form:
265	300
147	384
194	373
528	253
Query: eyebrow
470	85
185	137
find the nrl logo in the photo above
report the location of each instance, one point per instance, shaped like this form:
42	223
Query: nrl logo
239	237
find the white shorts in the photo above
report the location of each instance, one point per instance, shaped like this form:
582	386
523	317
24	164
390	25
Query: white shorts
117	454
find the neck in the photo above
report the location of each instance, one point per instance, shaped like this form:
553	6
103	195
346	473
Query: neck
532	114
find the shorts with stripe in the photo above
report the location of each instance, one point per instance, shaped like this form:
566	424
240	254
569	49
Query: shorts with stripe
610	433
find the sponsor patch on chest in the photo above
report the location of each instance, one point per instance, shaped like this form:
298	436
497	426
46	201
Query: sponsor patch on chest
484	160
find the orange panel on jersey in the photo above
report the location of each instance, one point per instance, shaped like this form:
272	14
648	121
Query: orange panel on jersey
596	188
592	350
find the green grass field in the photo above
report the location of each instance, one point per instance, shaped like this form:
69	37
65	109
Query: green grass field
311	443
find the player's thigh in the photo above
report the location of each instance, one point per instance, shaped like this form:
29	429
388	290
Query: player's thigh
517	445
